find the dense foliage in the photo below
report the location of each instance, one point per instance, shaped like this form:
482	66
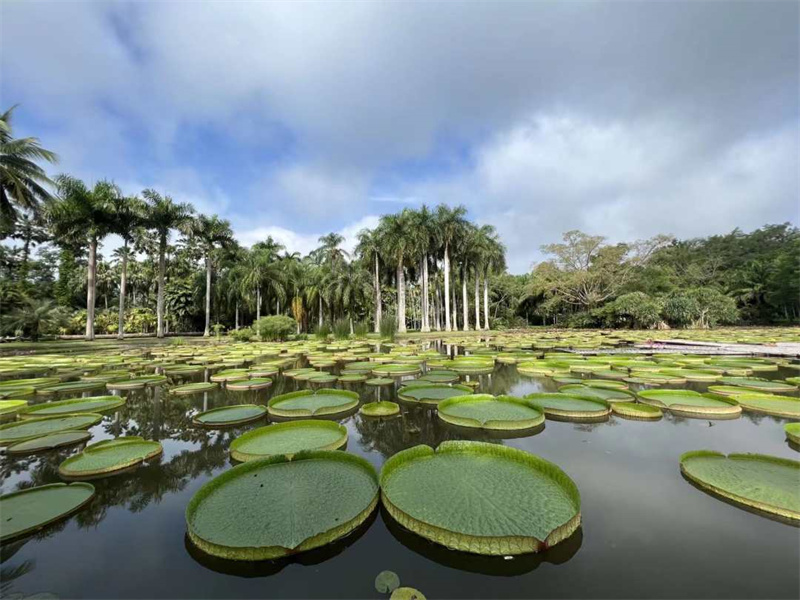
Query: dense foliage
418	269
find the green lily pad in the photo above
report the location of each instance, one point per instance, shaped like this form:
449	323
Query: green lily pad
380	409
601	393
308	403
635	410
75	387
760	385
481	498
49	442
288	439
95	404
33	508
441	376
407	593
257	383
137	382
273	507
32	428
485	411
11	407
109	457
567	406
432	393
194	388
352	378
379	381
792	432
230	375
766	483
228	416
770	404
386	582
36	383
691	403
396	369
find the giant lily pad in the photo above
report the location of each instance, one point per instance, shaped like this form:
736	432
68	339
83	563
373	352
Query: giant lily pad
380	409
766	483
194	388
759	385
690	403
230	375
600	393
566	406
770	404
72	387
33	508
441	376
792	432
635	410
481	498
268	508
396	370
288	439
308	403
109	457
488	412
431	393
9	408
46	443
229	416
32	428
257	383
95	404
137	382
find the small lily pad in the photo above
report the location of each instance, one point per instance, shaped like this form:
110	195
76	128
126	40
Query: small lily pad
228	416
567	406
75	387
380	409
32	428
407	593
635	410
11	407
288	439
137	382
109	457
485	411
194	388
386	582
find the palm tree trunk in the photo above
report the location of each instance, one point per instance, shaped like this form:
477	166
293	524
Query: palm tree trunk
162	267
486	301
90	288
401	298
437	308
258	304
446	288
426	321
378	309
123	282
236	322
455	310
207	332
465	305
477	302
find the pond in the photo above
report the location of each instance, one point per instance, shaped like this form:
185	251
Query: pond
646	531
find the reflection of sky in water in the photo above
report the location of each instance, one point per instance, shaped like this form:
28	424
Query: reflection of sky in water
646	531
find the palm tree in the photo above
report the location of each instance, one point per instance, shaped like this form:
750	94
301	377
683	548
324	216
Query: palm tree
262	272
36	316
210	233
423	234
21	179
494	259
449	224
127	216
84	215
396	240
369	249
164	215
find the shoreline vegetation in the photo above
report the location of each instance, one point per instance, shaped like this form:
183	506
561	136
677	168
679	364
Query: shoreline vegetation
422	270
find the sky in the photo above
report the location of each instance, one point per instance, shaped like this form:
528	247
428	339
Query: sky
623	119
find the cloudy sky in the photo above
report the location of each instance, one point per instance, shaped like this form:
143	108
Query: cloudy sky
295	119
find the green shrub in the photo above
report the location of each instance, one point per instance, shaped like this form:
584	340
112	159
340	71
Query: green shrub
245	334
275	327
680	310
634	310
361	329
218	328
388	327
323	331
341	329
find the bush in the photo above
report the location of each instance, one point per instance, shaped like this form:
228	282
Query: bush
275	328
341	329
714	307
245	334
361	329
218	328
680	310
388	326
323	331
634	310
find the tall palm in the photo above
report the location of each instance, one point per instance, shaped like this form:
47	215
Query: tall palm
369	249
467	255
210	233
449	225
83	215
164	215
397	240
22	181
494	257
423	235
127	216
262	272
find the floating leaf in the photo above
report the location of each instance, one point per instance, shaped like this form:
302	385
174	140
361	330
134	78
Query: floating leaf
49	442
635	410
33	508
307	403
432	393
485	411
386	582
288	439
228	416
692	404
566	406
380	409
33	428
194	388
94	404
109	457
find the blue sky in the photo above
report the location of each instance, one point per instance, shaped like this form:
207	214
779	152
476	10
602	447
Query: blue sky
295	119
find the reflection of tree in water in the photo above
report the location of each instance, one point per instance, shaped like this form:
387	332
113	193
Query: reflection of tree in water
417	425
8	573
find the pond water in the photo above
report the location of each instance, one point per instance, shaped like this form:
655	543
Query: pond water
646	531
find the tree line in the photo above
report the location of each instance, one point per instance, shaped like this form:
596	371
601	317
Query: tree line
429	269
